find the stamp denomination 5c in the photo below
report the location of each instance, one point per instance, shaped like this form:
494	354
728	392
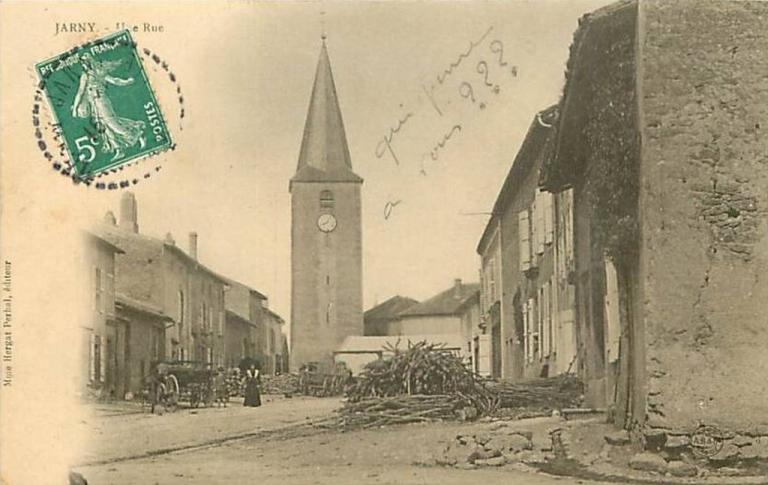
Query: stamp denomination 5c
103	105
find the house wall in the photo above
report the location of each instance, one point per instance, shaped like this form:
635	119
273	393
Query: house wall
145	338
704	206
430	324
491	269
101	268
175	279
206	311
238	342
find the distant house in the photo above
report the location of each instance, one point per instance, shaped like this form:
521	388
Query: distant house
274	347
382	318
245	324
440	314
158	273
357	351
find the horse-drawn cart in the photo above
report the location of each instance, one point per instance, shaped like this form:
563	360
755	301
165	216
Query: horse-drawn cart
183	381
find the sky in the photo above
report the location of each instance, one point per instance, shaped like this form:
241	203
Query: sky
246	72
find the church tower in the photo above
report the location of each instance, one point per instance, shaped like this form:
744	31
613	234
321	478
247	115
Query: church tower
326	232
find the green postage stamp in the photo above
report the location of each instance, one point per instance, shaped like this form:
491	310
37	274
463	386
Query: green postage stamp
103	105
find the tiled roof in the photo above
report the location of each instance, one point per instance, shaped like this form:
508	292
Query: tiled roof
127	240
140	306
448	302
390	308
539	142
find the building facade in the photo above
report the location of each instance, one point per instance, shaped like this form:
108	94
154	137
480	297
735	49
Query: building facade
101	361
665	158
245	324
326	232
160	274
527	299
382	319
143	326
274	348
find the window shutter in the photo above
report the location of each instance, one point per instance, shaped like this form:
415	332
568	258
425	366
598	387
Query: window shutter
103	359
526	331
569	236
539	223
91	357
531	329
548	213
524	238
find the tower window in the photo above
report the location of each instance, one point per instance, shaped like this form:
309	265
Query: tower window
326	199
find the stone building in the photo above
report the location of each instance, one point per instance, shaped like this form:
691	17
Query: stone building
143	327
100	337
274	348
381	319
158	273
246	327
660	138
526	258
326	231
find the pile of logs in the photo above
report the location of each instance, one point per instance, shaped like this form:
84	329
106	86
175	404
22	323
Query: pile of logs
422	368
374	412
563	391
287	384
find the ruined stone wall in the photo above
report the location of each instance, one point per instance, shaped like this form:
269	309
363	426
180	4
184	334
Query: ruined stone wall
704	202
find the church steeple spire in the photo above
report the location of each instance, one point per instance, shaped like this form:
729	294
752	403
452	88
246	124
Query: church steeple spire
324	155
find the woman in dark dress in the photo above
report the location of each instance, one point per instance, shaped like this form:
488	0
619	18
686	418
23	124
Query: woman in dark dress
252	383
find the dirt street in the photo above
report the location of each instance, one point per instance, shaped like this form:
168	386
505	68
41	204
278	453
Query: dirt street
272	444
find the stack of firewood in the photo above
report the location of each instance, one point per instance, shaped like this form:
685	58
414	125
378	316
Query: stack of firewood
287	384
421	368
423	382
564	391
383	411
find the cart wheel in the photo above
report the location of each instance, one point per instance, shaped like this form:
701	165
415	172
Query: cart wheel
172	392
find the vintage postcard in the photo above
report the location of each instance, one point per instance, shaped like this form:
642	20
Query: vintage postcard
412	241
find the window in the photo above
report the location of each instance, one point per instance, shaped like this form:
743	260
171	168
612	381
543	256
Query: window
524	233
326	199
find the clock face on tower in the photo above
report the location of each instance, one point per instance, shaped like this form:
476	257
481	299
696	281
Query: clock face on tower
326	222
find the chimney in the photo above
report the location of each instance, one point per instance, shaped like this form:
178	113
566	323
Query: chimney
457	288
128	213
193	244
169	239
109	218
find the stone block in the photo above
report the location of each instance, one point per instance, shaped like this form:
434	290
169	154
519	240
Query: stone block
617	438
682	469
650	462
675	443
482	454
496	461
728	454
511	442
